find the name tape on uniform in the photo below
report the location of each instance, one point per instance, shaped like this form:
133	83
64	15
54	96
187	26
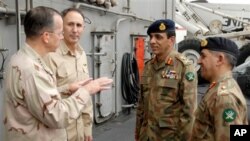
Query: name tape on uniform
239	132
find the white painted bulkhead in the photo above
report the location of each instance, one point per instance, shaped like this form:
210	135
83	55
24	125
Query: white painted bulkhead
116	25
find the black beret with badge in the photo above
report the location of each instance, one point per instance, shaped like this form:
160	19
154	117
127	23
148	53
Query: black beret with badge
220	44
161	26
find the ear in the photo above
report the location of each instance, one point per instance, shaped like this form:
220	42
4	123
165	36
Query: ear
220	58
172	39
45	37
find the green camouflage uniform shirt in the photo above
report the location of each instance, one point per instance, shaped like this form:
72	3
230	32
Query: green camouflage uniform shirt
167	100
222	105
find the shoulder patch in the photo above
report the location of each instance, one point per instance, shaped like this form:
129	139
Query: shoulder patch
190	76
229	115
183	59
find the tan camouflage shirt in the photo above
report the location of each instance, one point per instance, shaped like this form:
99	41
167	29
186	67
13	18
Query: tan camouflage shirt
68	68
167	100
222	105
34	110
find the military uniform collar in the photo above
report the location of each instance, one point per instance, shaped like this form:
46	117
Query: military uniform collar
34	55
65	50
169	60
30	52
221	79
225	76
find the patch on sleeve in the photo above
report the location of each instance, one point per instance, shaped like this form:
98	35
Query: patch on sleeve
229	115
189	76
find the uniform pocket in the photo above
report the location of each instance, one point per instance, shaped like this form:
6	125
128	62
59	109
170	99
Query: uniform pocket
63	71
168	89
145	81
168	121
169	83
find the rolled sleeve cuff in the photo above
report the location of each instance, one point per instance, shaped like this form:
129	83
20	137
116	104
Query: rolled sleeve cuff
64	89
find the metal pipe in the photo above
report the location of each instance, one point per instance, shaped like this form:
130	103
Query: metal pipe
26	5
78	5
31	4
128	6
97	54
170	9
191	16
116	73
166	5
191	27
18	23
10	11
230	35
173	12
215	12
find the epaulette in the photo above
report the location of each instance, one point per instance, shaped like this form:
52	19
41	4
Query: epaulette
223	89
183	59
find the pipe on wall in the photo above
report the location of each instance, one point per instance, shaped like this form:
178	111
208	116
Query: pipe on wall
18	24
126	17
6	10
116	72
78	5
18	14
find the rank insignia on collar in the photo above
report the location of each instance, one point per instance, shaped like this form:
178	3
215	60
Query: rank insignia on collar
169	61
189	76
229	115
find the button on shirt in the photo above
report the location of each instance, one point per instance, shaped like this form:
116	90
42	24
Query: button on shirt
70	67
222	105
167	99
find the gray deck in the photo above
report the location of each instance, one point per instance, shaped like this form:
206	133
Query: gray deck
122	127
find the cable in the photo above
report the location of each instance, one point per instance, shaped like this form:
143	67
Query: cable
129	79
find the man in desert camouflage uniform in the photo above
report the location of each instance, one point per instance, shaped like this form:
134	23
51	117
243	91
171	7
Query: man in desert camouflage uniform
168	95
223	104
34	110
69	64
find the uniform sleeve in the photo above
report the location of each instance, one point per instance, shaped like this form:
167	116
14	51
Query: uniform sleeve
139	115
188	91
227	111
44	101
87	117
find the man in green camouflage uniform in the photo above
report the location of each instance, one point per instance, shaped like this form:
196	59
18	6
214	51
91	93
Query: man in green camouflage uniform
223	104
168	95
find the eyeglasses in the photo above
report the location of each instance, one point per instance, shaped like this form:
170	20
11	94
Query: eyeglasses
60	34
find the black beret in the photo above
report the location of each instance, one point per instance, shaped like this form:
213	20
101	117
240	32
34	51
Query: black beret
220	44
161	25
